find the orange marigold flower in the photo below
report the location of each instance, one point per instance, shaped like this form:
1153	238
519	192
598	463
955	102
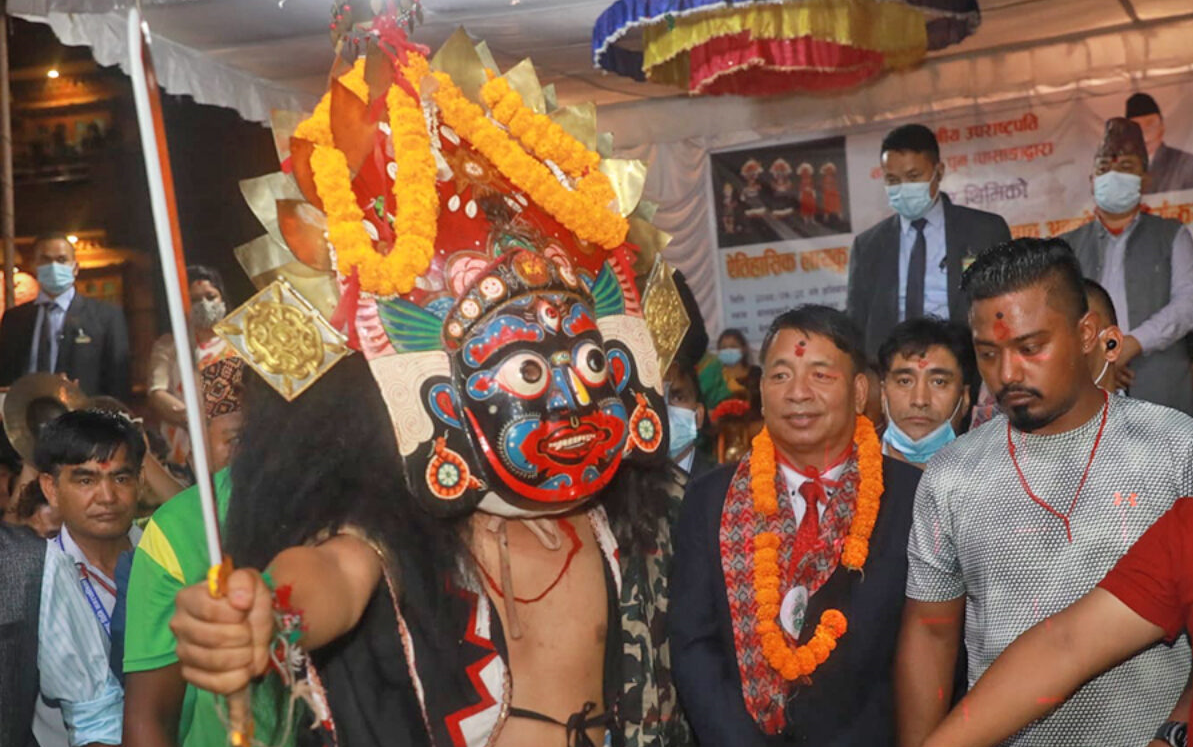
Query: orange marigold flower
834	621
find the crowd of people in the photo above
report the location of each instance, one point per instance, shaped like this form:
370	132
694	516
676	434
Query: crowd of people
950	514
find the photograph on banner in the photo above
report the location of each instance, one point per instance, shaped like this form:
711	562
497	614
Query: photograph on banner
1031	164
781	192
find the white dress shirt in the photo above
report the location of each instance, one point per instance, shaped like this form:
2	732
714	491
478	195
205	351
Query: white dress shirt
793	479
56	306
72	658
936	272
49	725
1170	323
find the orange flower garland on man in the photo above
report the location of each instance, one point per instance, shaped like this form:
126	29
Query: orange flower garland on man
789	566
1020	518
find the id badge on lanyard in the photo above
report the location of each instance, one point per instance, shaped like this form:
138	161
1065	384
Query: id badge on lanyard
97	606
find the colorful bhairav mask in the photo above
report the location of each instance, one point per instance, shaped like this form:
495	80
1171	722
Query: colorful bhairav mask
481	255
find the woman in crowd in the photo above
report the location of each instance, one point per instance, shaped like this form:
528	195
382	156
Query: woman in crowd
741	377
165	387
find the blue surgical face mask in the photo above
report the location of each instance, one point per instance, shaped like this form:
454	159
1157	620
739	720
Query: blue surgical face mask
911	200
683	429
55	278
1116	192
921	450
729	356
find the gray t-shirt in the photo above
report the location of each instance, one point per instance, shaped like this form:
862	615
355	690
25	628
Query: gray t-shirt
977	533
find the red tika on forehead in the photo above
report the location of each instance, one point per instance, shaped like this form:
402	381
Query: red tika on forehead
923	363
1001	330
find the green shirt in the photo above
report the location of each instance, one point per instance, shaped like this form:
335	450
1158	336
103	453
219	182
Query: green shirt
173	554
713	389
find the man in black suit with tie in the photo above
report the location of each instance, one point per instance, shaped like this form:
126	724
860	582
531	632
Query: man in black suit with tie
788	579
910	264
63	331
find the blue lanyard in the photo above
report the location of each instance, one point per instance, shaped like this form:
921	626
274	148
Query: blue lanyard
97	607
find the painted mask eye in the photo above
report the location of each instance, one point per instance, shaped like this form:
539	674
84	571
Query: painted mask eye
524	375
590	364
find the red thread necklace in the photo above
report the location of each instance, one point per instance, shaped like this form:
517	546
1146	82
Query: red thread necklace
570	531
1084	475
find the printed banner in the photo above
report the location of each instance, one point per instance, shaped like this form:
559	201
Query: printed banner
786	213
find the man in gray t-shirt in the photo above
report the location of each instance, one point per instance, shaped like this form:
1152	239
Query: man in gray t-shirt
1018	519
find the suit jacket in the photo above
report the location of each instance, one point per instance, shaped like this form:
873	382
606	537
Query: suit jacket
1171	169
850	702
873	300
93	349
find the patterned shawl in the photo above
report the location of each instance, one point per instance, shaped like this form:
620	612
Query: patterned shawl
763	688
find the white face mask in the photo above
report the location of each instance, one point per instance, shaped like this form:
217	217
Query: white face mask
919	450
1116	192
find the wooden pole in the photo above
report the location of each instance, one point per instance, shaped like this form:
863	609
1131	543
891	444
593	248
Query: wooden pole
7	212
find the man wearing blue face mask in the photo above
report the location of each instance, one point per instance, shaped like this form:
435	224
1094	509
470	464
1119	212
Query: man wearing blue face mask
686	414
1145	263
909	265
62	331
927	367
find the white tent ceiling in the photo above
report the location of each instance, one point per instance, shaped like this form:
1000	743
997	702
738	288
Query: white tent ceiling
253	55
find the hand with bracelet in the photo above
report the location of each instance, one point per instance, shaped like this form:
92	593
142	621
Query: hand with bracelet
223	644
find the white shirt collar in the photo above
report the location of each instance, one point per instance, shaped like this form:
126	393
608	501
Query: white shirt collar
62	300
794	479
934	216
71	548
686	463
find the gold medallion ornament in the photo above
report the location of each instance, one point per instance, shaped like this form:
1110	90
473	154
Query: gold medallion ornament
665	314
284	339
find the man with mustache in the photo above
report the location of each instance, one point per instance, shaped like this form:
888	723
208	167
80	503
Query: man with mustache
789	567
1020	518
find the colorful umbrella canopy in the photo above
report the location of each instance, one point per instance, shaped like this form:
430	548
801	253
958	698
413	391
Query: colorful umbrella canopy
764	47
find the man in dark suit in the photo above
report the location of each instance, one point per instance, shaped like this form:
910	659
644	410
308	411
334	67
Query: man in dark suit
1170	168
63	331
755	572
909	265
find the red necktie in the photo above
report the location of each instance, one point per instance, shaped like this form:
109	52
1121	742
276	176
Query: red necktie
809	526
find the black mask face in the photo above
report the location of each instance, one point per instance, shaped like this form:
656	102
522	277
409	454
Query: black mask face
541	406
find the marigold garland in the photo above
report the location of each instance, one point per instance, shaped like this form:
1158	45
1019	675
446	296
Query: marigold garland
730	408
538	132
803	660
584	211
414	194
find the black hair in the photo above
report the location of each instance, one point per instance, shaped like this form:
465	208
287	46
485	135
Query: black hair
1095	290
686	369
42	238
82	435
915	138
815	319
1021	263
915	336
198	273
31	499
738	336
